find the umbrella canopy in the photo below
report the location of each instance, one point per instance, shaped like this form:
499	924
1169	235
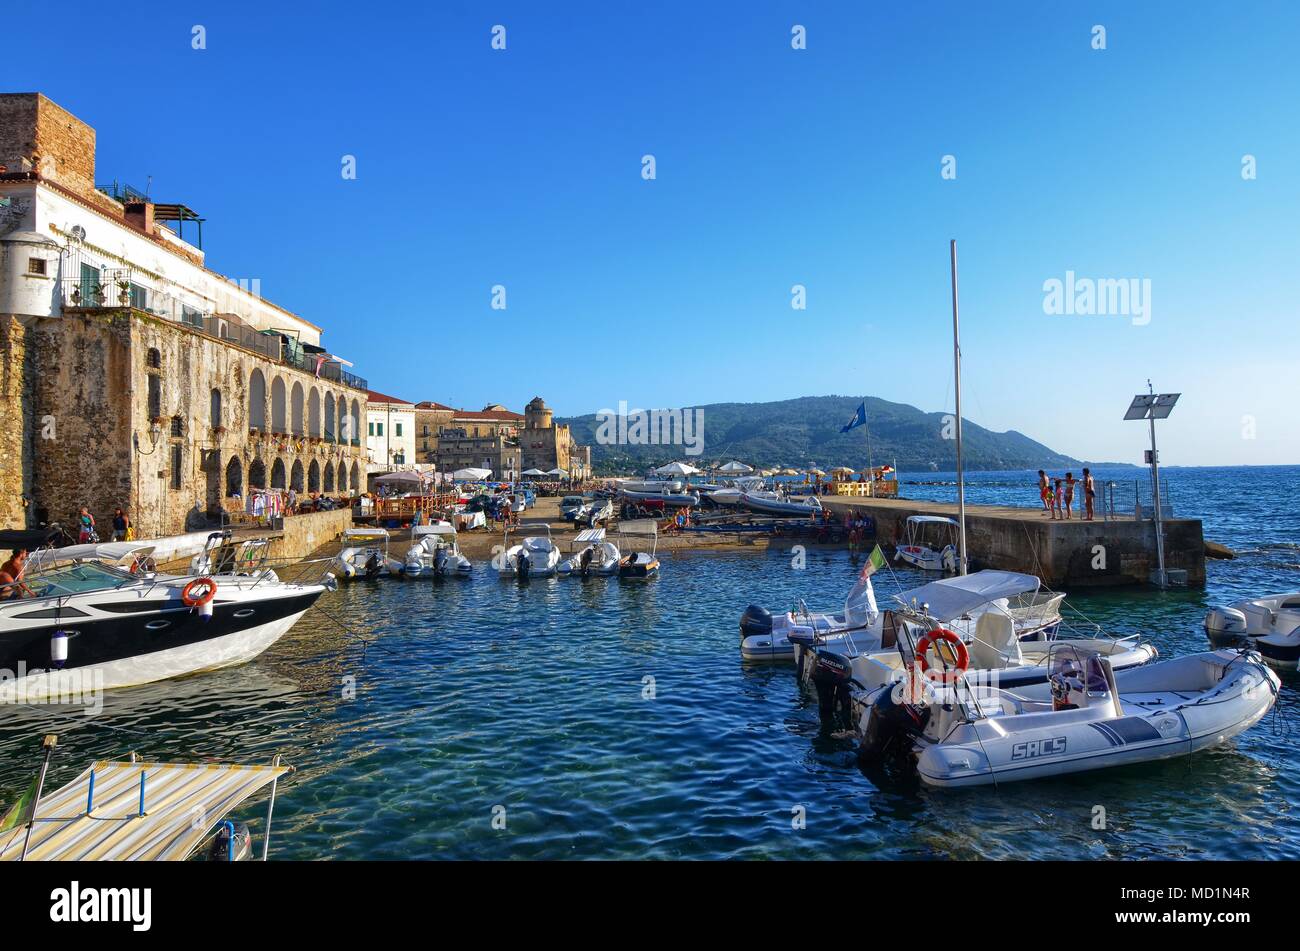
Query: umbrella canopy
677	468
400	478
735	467
839	469
533	472
557	471
470	475
816	472
789	472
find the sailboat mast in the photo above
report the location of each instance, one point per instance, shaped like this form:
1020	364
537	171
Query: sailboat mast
956	365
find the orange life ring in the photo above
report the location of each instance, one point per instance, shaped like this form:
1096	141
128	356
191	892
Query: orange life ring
209	592
933	637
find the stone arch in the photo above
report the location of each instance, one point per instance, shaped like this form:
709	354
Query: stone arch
313	476
235	477
295	476
344	432
295	409
257	474
278	406
354	483
278	475
327	481
313	412
256	400
330	432
356	423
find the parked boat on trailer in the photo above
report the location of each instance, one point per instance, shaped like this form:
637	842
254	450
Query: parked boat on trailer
1268	625
777	503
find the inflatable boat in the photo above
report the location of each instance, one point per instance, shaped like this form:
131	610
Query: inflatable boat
772	503
592	555
1269	626
1087	717
434	552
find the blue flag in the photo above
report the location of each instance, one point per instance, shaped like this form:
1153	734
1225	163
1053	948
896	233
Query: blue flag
859	418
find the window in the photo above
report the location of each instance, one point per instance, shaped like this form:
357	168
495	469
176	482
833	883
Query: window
178	458
178	426
36	266
155	395
154	359
139	296
399	458
370	428
91	293
379	429
397	430
215	408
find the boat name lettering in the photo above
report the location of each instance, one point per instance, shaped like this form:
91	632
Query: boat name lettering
1038	748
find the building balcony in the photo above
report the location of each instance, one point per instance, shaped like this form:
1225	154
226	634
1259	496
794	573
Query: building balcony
118	292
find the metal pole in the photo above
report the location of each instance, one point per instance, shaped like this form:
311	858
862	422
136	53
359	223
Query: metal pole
270	808
1155	488
50	741
956	364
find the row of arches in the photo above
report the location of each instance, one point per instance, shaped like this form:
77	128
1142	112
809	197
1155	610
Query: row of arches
301	412
316	476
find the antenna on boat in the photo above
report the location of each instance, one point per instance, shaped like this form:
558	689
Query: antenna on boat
956	364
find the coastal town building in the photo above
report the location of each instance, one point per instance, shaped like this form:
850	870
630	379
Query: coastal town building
430	418
499	453
549	445
390	432
133	376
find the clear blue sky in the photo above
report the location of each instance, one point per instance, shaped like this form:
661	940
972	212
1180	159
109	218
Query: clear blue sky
775	167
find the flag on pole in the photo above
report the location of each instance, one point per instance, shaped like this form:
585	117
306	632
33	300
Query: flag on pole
863	594
21	811
859	418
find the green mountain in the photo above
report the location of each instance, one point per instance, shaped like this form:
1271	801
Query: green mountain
805	432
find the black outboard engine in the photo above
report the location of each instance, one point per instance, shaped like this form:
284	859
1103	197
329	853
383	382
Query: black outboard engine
755	620
521	564
372	565
233	843
890	725
832	676
585	561
440	561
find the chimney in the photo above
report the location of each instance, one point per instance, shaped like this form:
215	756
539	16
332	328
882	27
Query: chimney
139	214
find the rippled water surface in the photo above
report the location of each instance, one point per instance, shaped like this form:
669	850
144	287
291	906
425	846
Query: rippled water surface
480	693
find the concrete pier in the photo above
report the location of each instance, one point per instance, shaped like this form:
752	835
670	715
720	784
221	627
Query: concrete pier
1063	553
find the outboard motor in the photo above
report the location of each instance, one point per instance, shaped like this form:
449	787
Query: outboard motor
233	843
440	561
755	620
584	562
372	565
832	675
521	564
1225	625
890	724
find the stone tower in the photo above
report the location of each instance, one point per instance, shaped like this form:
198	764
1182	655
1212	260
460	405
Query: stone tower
537	415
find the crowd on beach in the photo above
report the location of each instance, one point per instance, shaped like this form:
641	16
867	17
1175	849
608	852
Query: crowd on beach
1058	495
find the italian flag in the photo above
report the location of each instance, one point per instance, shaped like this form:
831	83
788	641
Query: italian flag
21	811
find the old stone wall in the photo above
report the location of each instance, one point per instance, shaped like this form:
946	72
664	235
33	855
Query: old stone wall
15	423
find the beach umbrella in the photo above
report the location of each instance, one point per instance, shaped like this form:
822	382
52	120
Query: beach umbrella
533	472
816	472
400	478
737	467
557	471
470	475
677	468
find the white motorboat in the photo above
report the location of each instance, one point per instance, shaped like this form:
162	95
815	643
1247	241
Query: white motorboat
958	621
1035	614
365	555
1268	625
592	554
434	552
730	493
668	496
930	543
775	503
1087	716
77	624
535	556
639	563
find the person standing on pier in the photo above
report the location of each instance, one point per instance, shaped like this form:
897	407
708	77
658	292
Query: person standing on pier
86	526
1045	491
1089	493
1069	495
1057	499
120	525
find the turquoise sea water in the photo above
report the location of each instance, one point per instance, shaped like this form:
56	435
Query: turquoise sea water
477	696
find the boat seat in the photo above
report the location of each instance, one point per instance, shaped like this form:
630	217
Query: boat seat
995	644
1259	618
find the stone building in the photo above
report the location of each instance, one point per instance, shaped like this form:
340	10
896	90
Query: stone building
430	418
458	450
549	445
130	374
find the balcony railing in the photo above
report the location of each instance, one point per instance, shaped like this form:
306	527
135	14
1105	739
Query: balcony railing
118	291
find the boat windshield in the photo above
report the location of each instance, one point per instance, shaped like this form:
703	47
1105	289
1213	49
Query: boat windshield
75	579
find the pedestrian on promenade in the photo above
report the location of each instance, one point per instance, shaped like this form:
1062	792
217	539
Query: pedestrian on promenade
1069	494
86	527
1089	493
1045	491
120	525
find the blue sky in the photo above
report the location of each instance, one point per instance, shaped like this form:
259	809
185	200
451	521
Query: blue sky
775	167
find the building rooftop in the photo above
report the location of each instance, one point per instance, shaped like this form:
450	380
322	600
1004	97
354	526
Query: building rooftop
375	397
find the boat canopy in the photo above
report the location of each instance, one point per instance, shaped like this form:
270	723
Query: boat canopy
950	598
111	552
589	535
362	531
172	793
928	519
639	526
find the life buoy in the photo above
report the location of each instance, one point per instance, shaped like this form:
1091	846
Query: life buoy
933	637
188	597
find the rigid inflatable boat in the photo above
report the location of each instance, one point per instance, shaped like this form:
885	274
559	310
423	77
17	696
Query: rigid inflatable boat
1269	625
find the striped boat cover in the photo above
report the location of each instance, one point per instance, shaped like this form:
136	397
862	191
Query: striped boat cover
182	801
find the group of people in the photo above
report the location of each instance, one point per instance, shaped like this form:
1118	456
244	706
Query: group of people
1058	495
88	534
